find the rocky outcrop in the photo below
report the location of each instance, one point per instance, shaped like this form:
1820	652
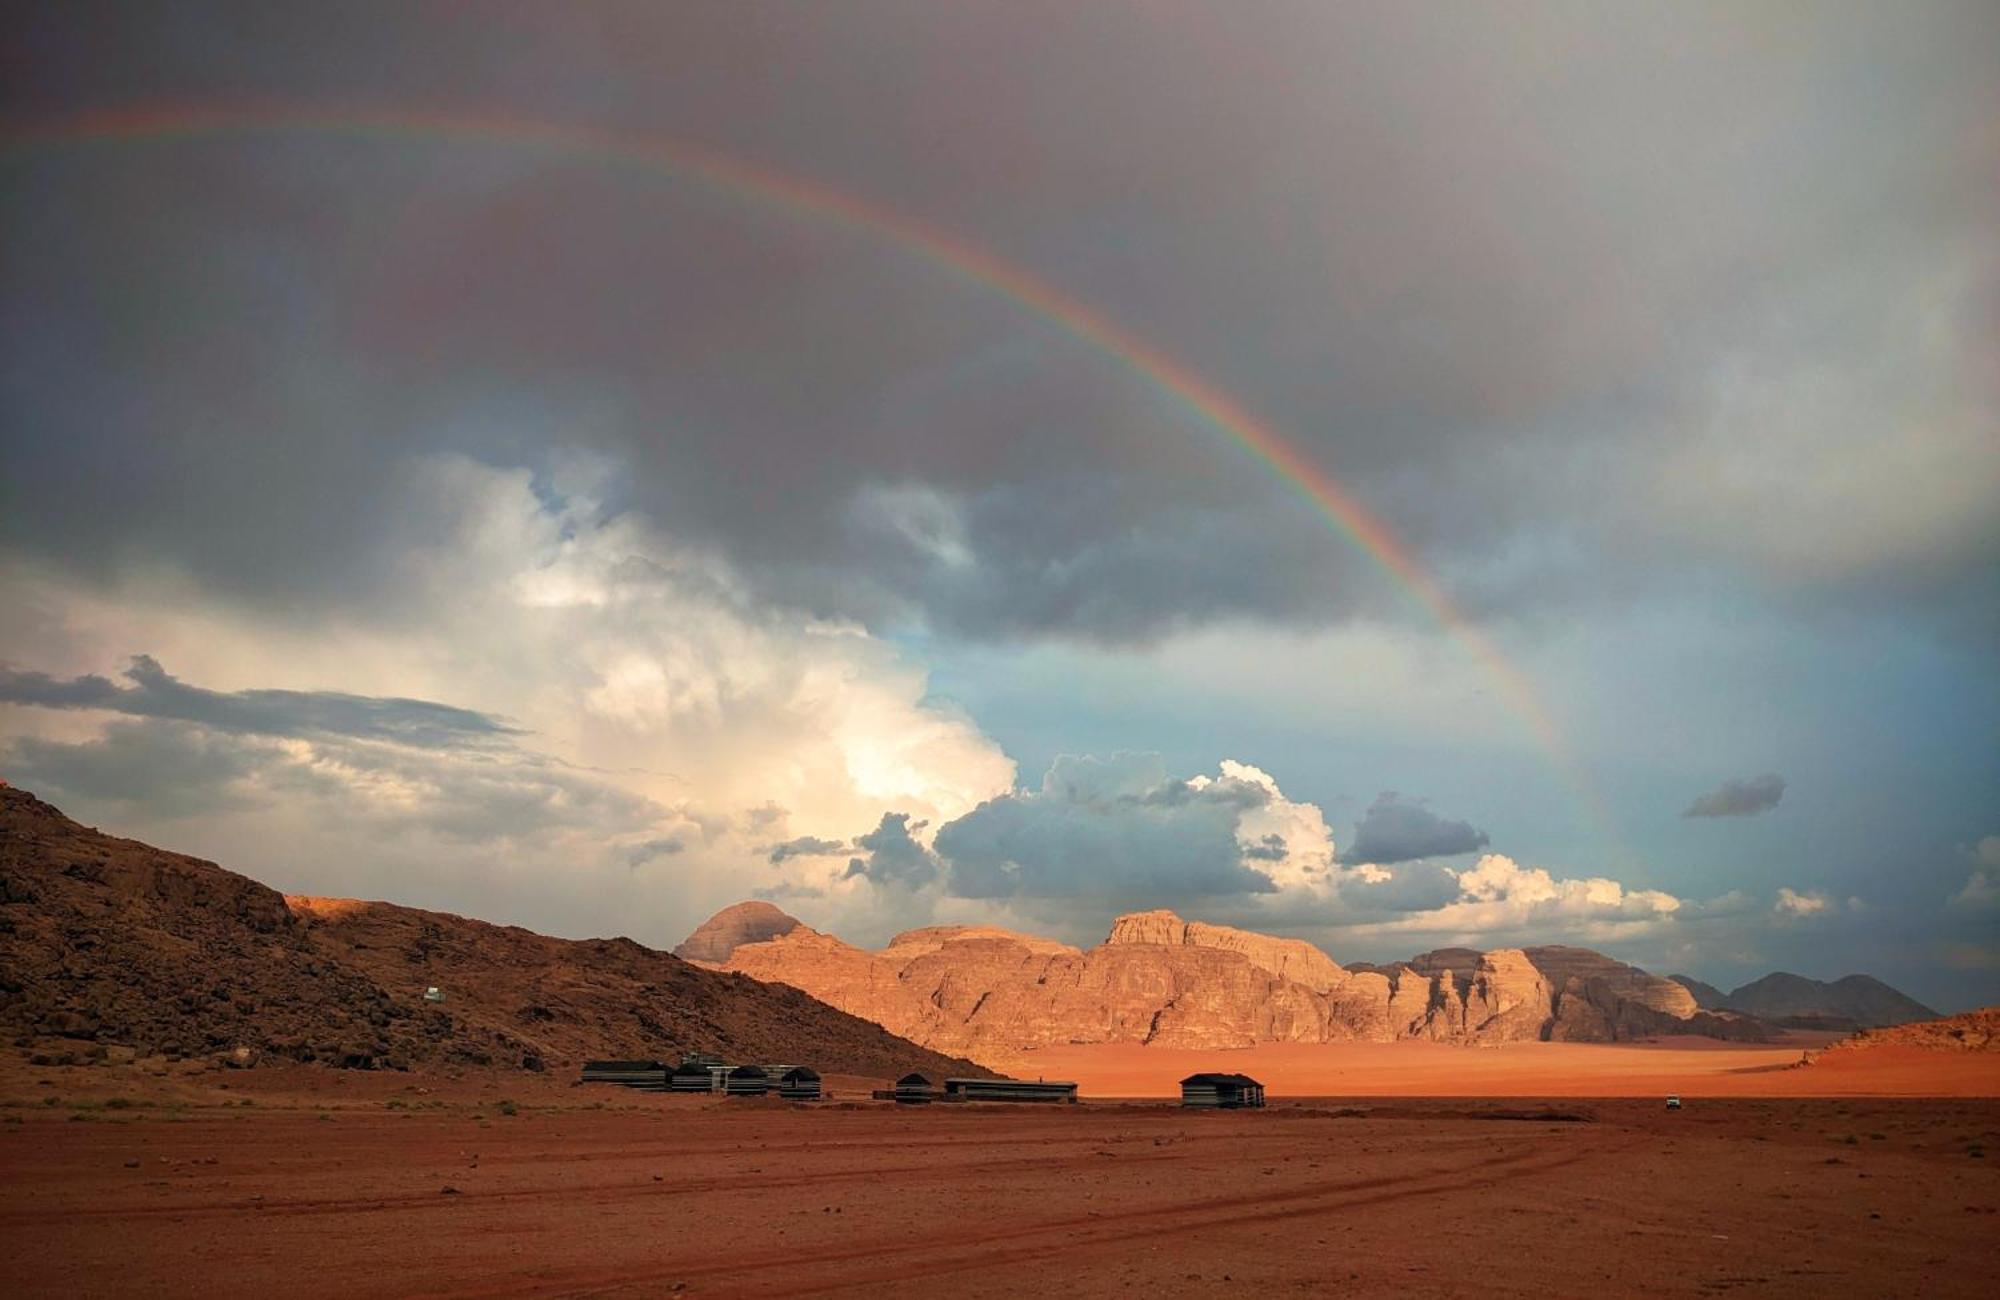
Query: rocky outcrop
1290	959
731	928
988	993
111	947
1969	1031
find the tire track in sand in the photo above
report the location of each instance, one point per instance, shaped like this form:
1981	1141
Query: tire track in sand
904	1260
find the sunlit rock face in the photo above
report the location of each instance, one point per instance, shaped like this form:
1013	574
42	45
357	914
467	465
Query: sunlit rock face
988	993
731	928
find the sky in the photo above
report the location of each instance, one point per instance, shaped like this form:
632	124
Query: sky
1395	477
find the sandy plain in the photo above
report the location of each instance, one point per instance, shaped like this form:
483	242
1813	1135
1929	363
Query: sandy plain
1692	1067
338	1183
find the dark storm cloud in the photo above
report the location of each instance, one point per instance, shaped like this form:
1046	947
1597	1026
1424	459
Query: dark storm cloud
1475	266
805	846
1114	827
1744	798
893	857
155	693
1397	830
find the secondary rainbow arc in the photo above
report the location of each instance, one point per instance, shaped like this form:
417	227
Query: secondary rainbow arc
1331	499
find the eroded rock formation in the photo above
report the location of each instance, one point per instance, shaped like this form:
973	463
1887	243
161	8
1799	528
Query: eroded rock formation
988	993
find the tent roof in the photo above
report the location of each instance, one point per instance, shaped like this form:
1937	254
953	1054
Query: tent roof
623	1065
1237	1079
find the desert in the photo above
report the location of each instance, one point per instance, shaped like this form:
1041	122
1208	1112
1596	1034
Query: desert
292	1112
343	1184
963	648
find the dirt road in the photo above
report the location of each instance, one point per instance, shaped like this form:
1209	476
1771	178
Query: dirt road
719	1198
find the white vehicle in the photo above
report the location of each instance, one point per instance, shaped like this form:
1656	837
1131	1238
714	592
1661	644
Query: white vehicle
1673	1103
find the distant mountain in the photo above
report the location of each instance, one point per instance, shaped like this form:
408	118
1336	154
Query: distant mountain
108	941
1706	996
1860	999
1853	1002
988	993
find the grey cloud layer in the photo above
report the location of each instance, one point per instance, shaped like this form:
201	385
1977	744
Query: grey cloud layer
155	693
1506	270
1740	798
188	750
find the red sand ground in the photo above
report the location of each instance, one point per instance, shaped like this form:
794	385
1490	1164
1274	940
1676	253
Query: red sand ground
1771	1197
334	1183
1694	1067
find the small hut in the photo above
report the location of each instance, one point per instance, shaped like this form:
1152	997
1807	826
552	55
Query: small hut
1009	1090
691	1078
915	1089
648	1076
746	1081
1222	1092
799	1084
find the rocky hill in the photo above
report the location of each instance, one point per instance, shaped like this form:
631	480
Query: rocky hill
1971	1031
988	993
1853	1001
108	941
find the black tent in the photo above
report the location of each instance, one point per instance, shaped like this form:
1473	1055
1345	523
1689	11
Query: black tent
650	1076
1221	1091
746	1081
799	1084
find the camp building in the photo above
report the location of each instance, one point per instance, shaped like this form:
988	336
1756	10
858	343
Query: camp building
691	1077
648	1076
1009	1090
799	1084
746	1081
1223	1091
915	1089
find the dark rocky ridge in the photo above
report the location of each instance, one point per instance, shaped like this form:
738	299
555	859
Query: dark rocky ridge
107	941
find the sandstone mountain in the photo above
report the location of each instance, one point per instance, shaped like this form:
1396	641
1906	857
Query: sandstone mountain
108	941
1853	1001
989	994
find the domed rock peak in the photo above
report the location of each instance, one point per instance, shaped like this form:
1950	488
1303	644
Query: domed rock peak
722	934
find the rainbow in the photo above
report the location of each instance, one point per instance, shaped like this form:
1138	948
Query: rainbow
1334	503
